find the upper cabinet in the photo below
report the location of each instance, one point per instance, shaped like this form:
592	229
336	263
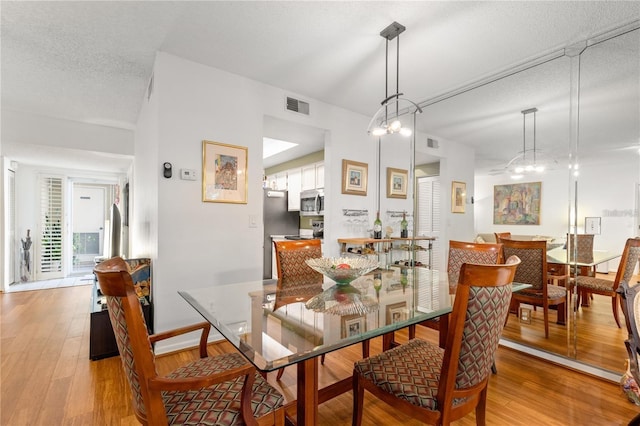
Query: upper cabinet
296	180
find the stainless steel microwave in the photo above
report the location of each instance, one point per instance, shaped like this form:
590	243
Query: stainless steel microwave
312	202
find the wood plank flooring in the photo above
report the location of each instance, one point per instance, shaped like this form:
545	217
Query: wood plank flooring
48	379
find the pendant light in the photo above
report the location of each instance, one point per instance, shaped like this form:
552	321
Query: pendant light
387	120
529	160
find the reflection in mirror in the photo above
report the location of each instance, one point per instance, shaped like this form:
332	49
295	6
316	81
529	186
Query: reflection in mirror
607	184
489	119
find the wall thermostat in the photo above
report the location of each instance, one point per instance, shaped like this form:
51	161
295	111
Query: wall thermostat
167	170
187	174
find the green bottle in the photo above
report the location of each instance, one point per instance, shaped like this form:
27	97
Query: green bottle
377	227
404	233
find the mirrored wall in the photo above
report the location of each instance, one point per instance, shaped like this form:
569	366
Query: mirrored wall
588	114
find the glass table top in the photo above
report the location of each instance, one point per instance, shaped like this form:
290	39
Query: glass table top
560	255
275	323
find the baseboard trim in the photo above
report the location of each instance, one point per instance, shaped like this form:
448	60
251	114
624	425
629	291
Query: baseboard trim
563	361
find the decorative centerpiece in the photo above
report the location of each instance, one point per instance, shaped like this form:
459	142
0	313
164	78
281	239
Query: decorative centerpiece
343	270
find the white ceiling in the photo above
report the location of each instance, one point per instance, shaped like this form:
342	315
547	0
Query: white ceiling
91	61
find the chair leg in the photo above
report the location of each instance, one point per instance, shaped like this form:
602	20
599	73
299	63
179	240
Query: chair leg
322	359
614	302
280	373
365	349
481	408
358	400
546	321
494	369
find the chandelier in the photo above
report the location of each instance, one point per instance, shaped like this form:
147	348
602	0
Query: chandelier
529	161
387	119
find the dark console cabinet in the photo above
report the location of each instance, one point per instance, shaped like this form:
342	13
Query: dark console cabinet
102	341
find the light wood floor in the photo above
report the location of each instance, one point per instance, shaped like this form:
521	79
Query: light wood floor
48	379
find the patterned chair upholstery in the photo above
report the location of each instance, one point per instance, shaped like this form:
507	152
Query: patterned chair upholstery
587	285
296	277
222	390
630	302
442	385
533	271
478	253
291	256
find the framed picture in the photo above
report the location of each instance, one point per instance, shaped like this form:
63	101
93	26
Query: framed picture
396	312
224	173
354	177
352	325
517	204
592	225
458	196
397	183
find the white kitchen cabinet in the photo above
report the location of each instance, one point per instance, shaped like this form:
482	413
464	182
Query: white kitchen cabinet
319	175
308	177
294	185
313	176
277	181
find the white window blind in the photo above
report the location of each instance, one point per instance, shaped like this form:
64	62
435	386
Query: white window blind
51	227
428	221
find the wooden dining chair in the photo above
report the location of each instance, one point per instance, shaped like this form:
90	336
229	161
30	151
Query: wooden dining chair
580	248
533	271
221	390
292	267
500	235
460	253
587	285
439	385
630	302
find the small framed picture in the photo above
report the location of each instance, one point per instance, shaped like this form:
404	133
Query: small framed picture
224	173
458	196
592	225
354	177
525	315
396	312
397	183
352	325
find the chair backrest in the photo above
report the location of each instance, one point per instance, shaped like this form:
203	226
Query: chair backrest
479	253
129	327
580	247
533	266
291	256
628	262
479	311
500	235
630	301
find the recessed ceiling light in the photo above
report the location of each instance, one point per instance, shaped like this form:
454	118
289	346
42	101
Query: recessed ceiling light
272	147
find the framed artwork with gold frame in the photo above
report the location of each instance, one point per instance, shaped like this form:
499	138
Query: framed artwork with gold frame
224	173
352	325
397	183
458	196
354	177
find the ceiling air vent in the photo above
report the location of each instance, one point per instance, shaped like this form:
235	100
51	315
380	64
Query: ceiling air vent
432	143
298	106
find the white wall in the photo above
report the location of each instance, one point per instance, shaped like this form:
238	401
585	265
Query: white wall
195	244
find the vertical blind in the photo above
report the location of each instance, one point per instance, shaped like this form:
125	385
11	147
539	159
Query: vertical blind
428	222
51	217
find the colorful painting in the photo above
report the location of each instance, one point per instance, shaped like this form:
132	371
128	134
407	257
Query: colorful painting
517	204
224	173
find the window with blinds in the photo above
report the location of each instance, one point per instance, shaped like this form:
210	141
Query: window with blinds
428	215
51	227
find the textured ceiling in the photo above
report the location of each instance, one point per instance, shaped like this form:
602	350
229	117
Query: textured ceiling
91	61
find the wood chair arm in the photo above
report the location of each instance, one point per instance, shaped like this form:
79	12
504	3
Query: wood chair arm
204	326
199	382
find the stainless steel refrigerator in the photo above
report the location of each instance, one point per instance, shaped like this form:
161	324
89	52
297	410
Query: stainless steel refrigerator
278	220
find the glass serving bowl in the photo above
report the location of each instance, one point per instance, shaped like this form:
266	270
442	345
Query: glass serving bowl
343	270
342	300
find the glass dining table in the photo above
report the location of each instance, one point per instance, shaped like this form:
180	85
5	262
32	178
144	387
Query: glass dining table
276	323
